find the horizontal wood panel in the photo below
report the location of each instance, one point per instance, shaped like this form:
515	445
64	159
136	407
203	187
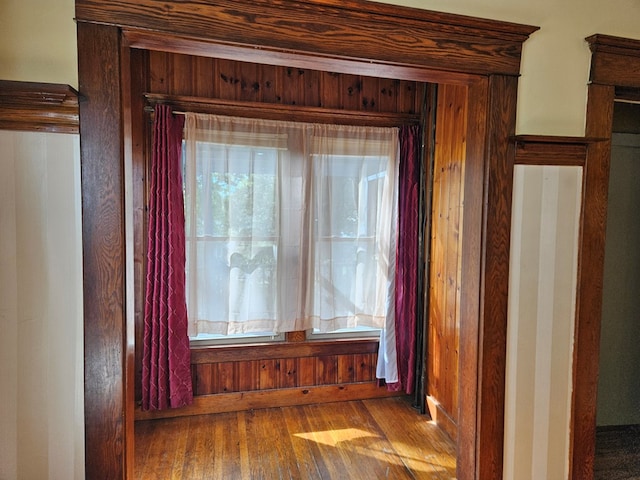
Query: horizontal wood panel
282	350
289	372
238	401
38	107
360	30
615	61
250	84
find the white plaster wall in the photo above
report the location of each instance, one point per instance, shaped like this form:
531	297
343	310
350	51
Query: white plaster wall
38	41
555	62
42	409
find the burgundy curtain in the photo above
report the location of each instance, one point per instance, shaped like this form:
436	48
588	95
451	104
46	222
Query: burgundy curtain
407	257
166	370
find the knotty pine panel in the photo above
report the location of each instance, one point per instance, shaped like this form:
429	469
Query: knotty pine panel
185	75
446	241
290	372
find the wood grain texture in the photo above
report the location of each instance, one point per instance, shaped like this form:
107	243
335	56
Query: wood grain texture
590	281
250	84
471	281
614	61
502	92
349	37
272	397
615	69
542	151
446	249
105	388
359	30
356	440
38	107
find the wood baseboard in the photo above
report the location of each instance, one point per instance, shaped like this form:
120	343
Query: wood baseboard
238	401
442	418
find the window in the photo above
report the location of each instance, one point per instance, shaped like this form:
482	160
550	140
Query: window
288	227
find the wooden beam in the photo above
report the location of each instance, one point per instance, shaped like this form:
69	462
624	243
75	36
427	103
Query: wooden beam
281	112
353	30
586	348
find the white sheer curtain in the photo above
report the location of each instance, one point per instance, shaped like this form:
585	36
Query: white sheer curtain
290	226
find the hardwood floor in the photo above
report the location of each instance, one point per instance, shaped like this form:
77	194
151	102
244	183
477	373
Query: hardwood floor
617	453
369	439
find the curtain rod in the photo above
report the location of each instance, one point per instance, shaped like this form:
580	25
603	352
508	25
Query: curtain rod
269	111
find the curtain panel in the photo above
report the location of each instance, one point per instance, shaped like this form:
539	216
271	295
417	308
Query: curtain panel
166	370
290	226
406	298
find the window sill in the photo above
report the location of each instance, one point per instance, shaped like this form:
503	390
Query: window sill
261	351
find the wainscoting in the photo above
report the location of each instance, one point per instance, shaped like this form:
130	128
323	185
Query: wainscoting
227	379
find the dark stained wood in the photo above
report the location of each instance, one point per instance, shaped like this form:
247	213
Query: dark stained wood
133	127
494	288
358	30
472	289
38	107
615	69
551	151
446	251
139	130
614	61
282	350
418	45
356	440
227	80
107	424
590	280
284	112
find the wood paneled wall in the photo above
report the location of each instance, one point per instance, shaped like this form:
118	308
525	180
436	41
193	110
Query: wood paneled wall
446	251
225	370
246	86
186	75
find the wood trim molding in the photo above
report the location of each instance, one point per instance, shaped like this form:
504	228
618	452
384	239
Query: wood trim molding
614	61
284	397
38	107
295	113
552	150
393	41
615	70
312	348
352	30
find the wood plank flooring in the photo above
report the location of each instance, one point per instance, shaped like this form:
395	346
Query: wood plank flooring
617	453
368	439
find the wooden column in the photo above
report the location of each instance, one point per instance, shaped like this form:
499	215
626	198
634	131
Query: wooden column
492	334
590	280
108	427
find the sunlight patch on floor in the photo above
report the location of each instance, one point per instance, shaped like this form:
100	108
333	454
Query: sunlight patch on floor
333	437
